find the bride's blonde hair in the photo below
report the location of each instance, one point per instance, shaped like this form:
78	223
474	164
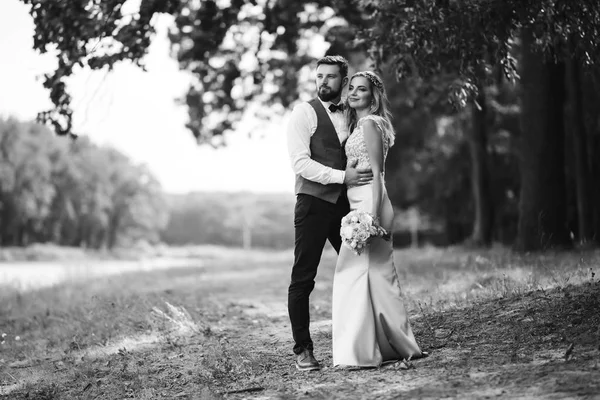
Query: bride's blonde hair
379	107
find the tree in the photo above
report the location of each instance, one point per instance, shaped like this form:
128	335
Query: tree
238	52
26	188
427	51
95	34
427	39
542	208
72	192
591	99
582	154
480	174
242	219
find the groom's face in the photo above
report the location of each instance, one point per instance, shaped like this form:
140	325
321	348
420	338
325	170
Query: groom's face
329	82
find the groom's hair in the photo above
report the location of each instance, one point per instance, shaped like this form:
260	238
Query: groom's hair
335	60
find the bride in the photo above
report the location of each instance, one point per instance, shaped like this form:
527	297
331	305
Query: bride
370	324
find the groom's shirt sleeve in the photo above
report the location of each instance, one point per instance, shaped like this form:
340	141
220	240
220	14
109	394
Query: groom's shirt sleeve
301	126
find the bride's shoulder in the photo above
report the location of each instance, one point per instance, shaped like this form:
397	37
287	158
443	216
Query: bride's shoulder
371	117
374	121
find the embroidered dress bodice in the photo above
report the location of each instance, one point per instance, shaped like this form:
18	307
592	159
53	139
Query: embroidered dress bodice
356	148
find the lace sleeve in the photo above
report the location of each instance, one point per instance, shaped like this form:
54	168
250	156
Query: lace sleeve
384	127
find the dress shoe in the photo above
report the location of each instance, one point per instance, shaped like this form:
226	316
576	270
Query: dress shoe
306	361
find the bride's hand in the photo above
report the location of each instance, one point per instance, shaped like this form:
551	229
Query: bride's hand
357	177
376	219
384	233
387	235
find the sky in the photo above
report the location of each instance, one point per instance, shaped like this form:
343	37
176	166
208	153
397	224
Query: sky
136	112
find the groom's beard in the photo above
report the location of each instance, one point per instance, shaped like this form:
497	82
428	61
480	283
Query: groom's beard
327	94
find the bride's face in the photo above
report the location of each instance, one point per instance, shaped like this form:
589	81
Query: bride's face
360	94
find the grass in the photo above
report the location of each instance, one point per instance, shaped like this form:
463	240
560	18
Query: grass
219	329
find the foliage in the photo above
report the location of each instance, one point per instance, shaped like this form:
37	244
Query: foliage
251	51
461	39
95	34
429	167
242	52
466	42
231	219
72	192
237	51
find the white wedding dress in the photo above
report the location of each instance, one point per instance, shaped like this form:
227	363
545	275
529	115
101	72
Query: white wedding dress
370	323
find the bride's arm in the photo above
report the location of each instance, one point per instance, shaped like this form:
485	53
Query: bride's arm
374	142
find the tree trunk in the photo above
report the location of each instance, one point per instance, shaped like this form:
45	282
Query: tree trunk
594	157
596	186
582	168
542	203
480	176
594	151
113	230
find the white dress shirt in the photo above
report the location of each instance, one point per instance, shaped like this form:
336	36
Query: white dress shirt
301	126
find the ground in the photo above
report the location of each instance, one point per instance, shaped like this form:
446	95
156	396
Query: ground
496	324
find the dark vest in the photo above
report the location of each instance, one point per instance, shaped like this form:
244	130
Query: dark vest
325	148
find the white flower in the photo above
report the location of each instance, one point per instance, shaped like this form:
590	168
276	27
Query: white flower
366	218
353	244
354	219
347	231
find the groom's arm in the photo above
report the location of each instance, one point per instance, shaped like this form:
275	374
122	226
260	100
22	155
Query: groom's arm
301	126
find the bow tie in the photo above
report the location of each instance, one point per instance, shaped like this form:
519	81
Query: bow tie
336	107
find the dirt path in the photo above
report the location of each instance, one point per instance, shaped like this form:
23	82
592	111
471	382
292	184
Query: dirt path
505	349
513	347
222	332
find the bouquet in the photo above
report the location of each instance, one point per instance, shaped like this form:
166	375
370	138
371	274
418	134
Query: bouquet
358	228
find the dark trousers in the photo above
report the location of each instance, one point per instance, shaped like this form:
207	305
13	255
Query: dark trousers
315	221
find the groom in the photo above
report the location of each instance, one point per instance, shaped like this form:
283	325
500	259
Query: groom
316	134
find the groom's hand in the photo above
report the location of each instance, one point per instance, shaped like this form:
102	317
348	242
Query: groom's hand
357	177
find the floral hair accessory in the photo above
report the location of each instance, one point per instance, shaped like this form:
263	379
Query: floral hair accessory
372	77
